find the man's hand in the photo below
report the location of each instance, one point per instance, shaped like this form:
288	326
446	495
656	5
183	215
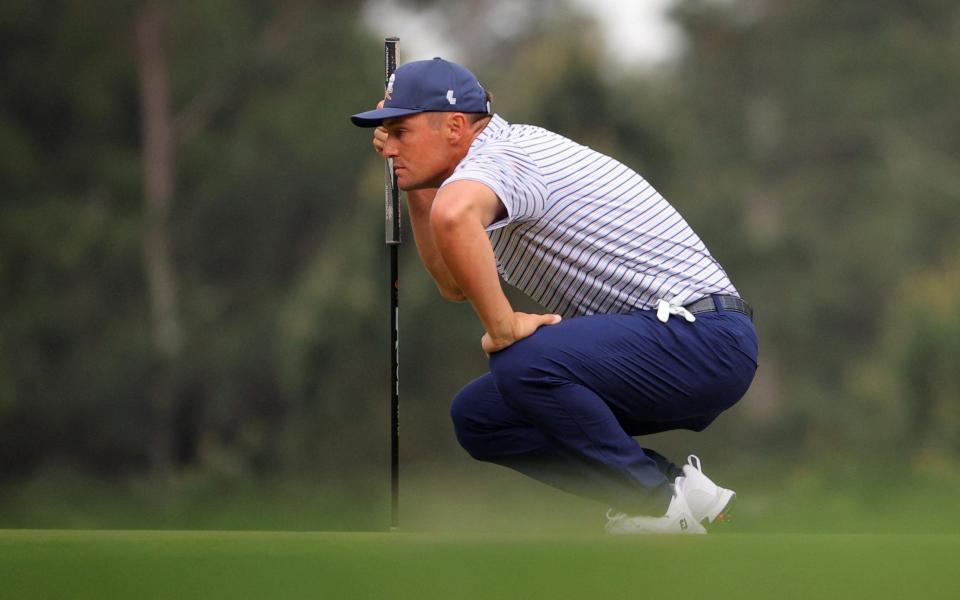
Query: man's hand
379	139
379	135
523	325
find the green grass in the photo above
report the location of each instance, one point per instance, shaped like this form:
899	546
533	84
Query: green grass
481	532
211	565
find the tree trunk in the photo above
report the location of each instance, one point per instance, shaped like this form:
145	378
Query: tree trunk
158	172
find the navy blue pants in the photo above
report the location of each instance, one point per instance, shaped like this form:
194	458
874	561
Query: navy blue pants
562	406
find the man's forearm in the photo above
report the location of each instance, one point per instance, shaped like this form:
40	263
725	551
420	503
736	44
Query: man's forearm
419	203
462	241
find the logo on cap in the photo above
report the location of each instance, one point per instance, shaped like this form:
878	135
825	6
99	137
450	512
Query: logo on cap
450	97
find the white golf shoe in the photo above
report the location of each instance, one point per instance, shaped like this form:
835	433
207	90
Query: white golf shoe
706	499
678	519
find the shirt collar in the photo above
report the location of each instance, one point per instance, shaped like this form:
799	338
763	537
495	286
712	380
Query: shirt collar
493	128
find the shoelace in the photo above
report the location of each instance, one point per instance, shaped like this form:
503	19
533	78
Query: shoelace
665	309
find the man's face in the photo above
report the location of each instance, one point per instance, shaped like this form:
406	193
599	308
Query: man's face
420	149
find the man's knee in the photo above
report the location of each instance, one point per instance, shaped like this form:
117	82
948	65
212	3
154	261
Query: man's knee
700	423
467	428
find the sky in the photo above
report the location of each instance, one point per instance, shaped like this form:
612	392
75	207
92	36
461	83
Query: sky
638	33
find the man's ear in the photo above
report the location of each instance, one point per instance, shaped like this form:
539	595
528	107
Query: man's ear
457	126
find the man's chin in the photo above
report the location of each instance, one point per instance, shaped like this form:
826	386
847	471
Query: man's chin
408	186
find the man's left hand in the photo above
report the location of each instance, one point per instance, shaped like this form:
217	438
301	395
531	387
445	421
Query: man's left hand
523	325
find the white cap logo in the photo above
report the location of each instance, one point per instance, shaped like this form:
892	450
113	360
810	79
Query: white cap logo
450	97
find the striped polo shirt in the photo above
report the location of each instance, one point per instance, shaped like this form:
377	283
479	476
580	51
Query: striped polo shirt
584	234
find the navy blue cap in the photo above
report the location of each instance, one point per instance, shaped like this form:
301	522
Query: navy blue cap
427	86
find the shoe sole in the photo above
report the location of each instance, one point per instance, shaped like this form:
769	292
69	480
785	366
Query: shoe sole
719	511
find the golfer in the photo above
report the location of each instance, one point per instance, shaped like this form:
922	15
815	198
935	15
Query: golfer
643	331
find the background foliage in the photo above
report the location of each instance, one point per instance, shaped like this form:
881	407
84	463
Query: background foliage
812	145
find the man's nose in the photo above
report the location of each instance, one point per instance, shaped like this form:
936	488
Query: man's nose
390	148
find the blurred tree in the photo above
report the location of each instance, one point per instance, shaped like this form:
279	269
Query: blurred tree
906	389
813	146
262	164
824	131
72	338
158	174
268	172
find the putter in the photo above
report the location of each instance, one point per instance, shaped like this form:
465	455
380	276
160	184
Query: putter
393	242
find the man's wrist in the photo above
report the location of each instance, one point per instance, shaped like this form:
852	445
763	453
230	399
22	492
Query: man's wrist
501	330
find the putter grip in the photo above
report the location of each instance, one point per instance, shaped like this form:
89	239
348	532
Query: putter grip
392	230
390	58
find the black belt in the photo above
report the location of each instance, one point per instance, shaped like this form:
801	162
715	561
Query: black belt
719	302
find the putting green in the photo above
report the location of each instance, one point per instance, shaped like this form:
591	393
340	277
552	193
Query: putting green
213	564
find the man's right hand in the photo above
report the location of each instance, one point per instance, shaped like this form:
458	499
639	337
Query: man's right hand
379	135
379	139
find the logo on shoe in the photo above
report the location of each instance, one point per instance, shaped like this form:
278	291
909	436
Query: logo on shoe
683	524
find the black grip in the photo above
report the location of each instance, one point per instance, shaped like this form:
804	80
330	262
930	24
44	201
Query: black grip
393	226
390	57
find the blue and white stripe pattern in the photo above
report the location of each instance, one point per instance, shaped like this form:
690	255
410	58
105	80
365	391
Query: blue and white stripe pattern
585	234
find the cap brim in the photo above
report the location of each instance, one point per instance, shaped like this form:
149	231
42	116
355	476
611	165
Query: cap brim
374	118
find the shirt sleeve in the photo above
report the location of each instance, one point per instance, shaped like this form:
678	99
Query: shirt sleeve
512	175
